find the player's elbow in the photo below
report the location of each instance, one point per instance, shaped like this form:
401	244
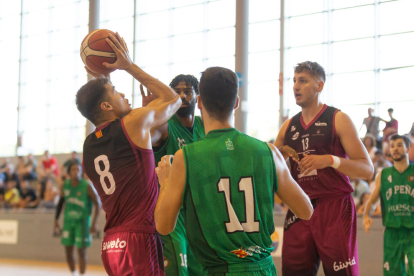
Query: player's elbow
306	213
163	228
368	171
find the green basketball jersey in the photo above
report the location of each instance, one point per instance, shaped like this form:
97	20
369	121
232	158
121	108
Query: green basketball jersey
228	199
179	136
78	205
397	197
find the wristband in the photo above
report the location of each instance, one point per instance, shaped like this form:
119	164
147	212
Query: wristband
335	162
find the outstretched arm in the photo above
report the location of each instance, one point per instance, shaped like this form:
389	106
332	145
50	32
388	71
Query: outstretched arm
172	182
289	191
367	222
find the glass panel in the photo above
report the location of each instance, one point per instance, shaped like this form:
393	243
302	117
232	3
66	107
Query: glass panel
393	85
152	52
152	25
263	125
123	83
356	55
357	113
396	50
64	41
354	88
35	46
30	6
9	27
145	6
361	25
338	4
182	3
161	72
226	62
188	20
83	11
263	10
188	47
263	96
396	17
302	30
264	66
221	14
64	17
264	36
116	9
68	70
38	65
221	42
193	68
298	7
9	8
294	56
125	28
36	22
12	48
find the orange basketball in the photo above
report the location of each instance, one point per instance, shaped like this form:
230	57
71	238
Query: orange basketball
95	50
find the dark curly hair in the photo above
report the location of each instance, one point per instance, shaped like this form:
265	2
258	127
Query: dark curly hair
187	79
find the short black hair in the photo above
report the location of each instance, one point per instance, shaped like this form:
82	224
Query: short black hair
397	136
390	110
187	79
218	91
72	164
89	99
313	68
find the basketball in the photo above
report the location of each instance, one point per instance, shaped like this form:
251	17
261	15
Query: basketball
95	50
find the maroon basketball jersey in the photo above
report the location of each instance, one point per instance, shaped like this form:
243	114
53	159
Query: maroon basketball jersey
318	137
123	175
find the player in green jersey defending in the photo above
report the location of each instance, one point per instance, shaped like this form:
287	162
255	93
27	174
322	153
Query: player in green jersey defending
78	196
226	182
181	129
395	187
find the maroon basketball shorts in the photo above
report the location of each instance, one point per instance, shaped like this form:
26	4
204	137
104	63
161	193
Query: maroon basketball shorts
330	235
132	251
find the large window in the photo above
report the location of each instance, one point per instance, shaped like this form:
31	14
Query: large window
264	68
364	47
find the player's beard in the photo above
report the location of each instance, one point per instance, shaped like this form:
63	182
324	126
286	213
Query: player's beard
402	157
186	111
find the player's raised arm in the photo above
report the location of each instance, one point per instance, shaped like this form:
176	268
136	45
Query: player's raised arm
358	164
172	182
367	221
289	191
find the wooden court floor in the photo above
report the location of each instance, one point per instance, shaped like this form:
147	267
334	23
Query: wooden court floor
10	267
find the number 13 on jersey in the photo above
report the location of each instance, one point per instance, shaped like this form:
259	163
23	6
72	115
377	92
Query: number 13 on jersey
245	185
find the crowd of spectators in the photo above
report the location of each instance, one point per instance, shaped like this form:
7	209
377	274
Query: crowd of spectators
31	184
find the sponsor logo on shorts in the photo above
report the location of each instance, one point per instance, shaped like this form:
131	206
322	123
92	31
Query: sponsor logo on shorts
320	124
114	245
293	128
295	136
65	234
341	265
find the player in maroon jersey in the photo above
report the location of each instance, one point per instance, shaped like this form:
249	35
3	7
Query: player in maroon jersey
118	159
330	152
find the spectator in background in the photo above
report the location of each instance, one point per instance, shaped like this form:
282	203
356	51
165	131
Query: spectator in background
372	124
11	175
411	152
391	127
20	165
28	195
379	163
4	167
1	192
30	168
369	143
49	195
73	160
11	194
50	167
360	187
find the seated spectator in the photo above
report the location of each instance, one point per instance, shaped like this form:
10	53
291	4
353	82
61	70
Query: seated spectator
379	163
375	209
29	170
72	160
5	166
11	175
49	167
49	195
369	143
360	187
1	193
11	194
28	195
